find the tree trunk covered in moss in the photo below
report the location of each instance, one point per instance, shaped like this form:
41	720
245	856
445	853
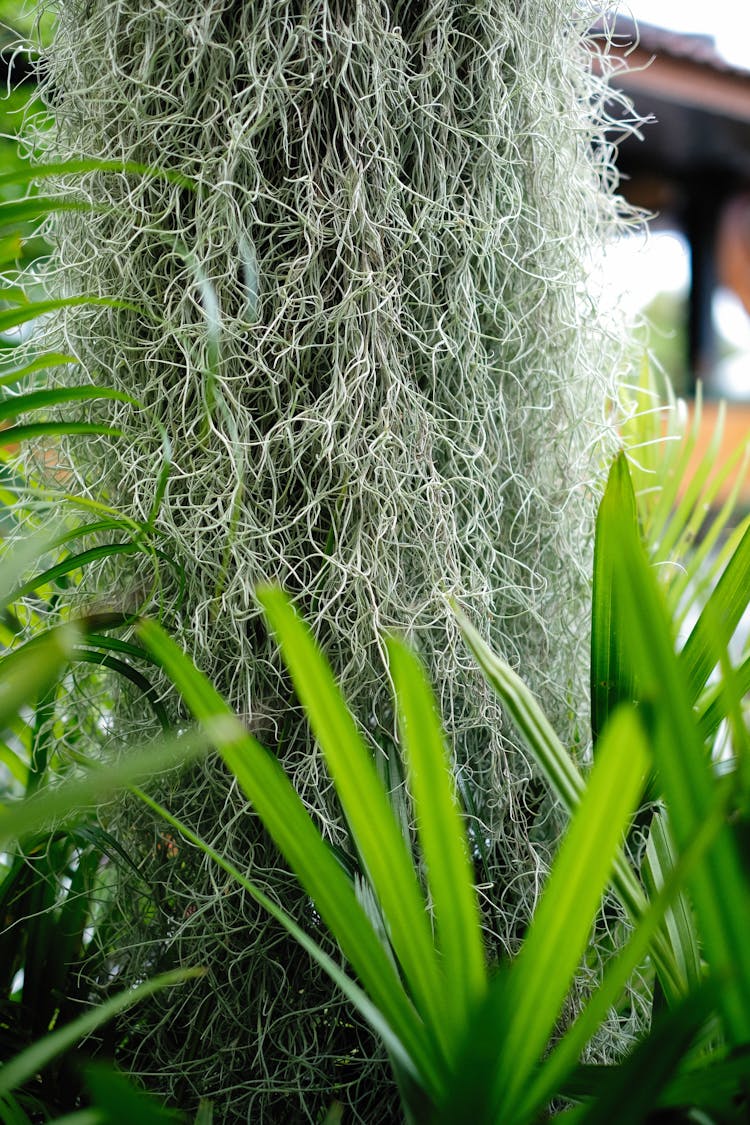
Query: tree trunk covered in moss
368	338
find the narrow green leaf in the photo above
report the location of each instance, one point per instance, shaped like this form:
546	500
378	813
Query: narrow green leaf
99	641
714	1084
335	1114
27	672
312	861
719	888
549	753
16	559
612	676
13	405
379	840
713	707
164	472
512	1028
34	246
642	428
738	727
566	781
68	534
350	989
13	295
16	211
42	740
54	804
103	841
32	173
561	1061
17	768
542	974
16	434
727	604
699	550
123	1102
679	503
40	1054
41	949
40	363
104	660
630	1091
14	318
672	459
442	837
660	861
71	564
11	1112
205	1114
67	929
11	249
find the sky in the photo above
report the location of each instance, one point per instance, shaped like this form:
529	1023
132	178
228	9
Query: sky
727	20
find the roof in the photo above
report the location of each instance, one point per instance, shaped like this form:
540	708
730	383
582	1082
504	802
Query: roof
700	103
652	39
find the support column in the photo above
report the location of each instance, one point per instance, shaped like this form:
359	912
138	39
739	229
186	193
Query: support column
701	224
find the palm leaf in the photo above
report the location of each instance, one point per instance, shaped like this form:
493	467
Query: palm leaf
612	676
442	837
25	1065
567	783
379	840
312	861
719	888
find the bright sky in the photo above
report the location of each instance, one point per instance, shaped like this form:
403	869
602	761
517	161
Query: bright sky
727	20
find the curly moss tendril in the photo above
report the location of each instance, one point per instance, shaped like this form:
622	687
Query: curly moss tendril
367	333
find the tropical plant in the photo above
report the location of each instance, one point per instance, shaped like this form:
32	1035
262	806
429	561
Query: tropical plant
24	1097
688	533
465	1042
432	1072
291	475
355	310
478	1048
460	1041
57	890
59	915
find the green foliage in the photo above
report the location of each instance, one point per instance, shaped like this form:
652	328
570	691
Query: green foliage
492	1071
462	1041
378	843
612	679
58	885
36	1057
359	324
664	333
463	1038
23	18
689	534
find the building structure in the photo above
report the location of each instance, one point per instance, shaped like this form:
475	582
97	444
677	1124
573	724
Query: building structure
691	164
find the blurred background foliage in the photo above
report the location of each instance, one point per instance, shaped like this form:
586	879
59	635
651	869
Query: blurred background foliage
21	27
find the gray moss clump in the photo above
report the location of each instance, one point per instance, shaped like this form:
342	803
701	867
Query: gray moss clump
367	334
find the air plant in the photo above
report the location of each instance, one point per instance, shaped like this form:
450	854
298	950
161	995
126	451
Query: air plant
353	304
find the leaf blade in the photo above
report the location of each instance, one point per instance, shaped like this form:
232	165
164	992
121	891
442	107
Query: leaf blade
541	976
366	806
442	836
289	823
